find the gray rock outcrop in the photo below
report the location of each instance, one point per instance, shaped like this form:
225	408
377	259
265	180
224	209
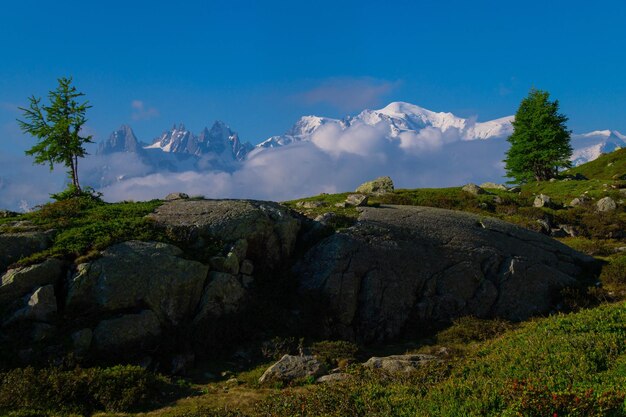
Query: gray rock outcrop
39	306
14	246
399	363
542	200
357	200
222	295
493	186
176	196
290	367
124	333
473	189
134	274
19	281
606	204
402	268
269	229
379	186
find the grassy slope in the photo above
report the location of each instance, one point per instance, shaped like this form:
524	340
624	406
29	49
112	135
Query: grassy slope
566	364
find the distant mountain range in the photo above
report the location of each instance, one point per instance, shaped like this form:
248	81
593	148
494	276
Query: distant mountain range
219	148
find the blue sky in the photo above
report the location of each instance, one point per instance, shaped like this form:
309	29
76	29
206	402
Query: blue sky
259	65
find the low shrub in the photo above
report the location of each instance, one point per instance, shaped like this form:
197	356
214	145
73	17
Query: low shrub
80	390
471	329
335	353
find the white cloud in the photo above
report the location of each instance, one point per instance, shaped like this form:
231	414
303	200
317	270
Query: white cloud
334	160
142	112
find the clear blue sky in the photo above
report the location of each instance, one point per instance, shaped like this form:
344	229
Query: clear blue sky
259	65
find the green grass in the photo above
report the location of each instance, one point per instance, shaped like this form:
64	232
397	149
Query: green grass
568	364
84	226
607	166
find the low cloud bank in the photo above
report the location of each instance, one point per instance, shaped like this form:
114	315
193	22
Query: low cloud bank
334	160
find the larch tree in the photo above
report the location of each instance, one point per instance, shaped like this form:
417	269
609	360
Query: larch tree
58	128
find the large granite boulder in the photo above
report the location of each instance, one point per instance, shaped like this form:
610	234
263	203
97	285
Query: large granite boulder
269	229
14	246
19	281
135	274
404	268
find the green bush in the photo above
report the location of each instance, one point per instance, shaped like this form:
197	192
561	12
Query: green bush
472	329
335	353
79	390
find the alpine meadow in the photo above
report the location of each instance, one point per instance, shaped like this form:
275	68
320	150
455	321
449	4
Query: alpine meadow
269	209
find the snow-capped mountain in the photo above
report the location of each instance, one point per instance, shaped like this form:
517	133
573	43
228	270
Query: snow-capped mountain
590	146
122	140
396	118
219	141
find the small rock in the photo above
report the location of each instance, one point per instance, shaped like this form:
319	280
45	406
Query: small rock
341	205
576	202
310	204
606	204
515	189
569	229
176	196
553	180
545	226
379	186
497	199
247	267
291	367
357	200
332	378
399	363
473	189
493	185
542	200
325	218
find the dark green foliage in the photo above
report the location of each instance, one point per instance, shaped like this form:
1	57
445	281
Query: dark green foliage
540	140
335	353
472	329
54	391
58	128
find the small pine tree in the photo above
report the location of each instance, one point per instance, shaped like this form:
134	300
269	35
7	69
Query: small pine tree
58	128
540	143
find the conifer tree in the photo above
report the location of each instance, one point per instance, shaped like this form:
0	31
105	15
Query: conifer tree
58	128
540	143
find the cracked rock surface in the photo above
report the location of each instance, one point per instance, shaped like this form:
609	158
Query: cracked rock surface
402	268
